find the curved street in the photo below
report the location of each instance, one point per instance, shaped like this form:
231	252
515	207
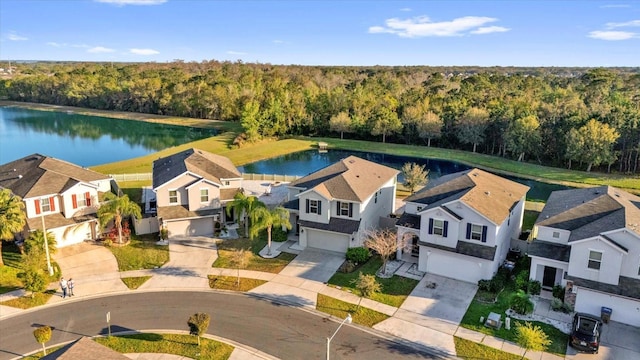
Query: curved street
273	328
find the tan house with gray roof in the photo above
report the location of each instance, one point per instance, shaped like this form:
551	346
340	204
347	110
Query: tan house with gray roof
589	241
332	207
60	195
461	225
192	188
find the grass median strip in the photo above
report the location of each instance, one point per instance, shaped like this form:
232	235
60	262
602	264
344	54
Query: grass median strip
231	283
27	302
135	282
469	350
340	309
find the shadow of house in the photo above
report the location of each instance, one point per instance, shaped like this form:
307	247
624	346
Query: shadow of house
85	348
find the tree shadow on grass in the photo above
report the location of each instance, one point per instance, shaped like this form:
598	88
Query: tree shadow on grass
283	300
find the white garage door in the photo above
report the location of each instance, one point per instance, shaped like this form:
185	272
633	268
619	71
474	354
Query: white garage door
625	310
452	265
193	227
327	240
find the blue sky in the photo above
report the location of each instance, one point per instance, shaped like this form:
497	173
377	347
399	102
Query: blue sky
306	32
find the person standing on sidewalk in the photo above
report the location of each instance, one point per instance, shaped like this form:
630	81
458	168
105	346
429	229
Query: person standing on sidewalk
63	285
70	286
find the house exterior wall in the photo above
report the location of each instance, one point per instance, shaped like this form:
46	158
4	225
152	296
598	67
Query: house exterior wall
325	208
625	310
453	228
610	266
103	185
30	207
631	261
193	193
452	265
372	210
178	184
537	269
75	234
546	234
80	191
355	214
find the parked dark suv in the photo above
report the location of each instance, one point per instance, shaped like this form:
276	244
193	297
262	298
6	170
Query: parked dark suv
586	331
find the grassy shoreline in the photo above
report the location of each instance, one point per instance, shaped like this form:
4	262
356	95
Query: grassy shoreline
266	149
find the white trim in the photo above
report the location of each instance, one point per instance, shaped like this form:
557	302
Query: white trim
600	238
199	181
589	259
177	196
78	184
313	191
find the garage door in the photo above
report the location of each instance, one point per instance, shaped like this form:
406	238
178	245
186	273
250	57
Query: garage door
452	265
193	227
327	240
625	310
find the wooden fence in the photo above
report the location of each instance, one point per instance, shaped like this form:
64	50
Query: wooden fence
132	177
260	177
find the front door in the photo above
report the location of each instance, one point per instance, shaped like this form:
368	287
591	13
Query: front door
415	248
549	277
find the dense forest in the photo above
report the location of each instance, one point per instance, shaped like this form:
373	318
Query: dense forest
567	117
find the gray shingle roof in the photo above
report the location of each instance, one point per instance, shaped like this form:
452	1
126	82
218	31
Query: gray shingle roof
204	164
182	212
343	226
549	250
466	248
409	221
627	286
37	175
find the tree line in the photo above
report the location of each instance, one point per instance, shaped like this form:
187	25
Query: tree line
581	118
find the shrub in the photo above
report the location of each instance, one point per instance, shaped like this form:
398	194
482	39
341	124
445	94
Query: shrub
497	283
535	287
558	292
567	307
108	242
557	304
520	303
358	255
522	280
484	285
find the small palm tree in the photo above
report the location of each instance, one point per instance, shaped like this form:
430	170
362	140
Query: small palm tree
263	218
12	217
244	205
116	208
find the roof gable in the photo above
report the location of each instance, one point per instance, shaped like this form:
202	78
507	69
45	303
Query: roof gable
201	163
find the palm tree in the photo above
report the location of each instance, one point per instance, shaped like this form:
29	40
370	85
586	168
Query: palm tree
12	217
264	218
244	205
116	208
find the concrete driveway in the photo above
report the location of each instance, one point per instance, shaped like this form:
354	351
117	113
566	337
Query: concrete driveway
313	264
85	259
619	342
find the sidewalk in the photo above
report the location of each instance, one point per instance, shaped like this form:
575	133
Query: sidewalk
411	326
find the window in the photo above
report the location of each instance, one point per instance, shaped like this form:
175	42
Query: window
376	198
204	195
476	232
595	260
173	196
81	200
556	234
227	183
45	205
438	227
344	209
419	208
313	207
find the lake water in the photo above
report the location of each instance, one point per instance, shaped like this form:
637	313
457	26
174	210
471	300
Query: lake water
85	140
306	162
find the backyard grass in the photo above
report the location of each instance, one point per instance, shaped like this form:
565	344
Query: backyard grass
141	253
469	350
529	219
394	290
340	309
231	283
135	282
182	345
27	302
257	263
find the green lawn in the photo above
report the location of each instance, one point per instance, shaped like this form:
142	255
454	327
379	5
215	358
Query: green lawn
340	309
529	219
182	345
231	283
27	302
469	350
135	282
257	263
141	253
394	290
9	272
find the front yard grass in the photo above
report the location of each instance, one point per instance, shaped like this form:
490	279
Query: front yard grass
231	283
9	272
141	253
27	302
340	309
257	263
135	281
469	350
394	290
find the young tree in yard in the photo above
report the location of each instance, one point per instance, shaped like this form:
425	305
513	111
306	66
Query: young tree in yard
531	337
12	217
116	208
34	279
198	324
414	176
367	285
385	242
263	218
244	205
35	241
239	260
42	335
340	123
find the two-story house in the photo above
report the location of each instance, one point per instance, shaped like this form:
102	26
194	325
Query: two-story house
192	188
332	208
461	225
589	241
59	195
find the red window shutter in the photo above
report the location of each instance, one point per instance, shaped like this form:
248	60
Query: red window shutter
87	196
37	203
74	201
52	203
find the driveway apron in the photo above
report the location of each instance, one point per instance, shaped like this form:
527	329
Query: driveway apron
316	265
85	259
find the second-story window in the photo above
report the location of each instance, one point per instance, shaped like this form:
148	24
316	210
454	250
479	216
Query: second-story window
313	206
595	260
438	227
227	183
173	196
204	195
476	231
45	204
556	234
344	209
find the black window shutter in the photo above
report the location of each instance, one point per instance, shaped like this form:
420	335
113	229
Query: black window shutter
446	228
338	208
484	233
468	231
319	207
430	226
350	209
307	206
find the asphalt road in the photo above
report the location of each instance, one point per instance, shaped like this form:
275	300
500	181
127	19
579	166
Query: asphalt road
269	326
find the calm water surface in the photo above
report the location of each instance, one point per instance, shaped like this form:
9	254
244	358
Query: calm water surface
85	140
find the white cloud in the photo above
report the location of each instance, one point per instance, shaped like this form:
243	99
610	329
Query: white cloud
231	52
615	6
612	35
144	51
613	25
61	45
15	37
489	30
55	44
132	2
405	9
422	26
100	50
